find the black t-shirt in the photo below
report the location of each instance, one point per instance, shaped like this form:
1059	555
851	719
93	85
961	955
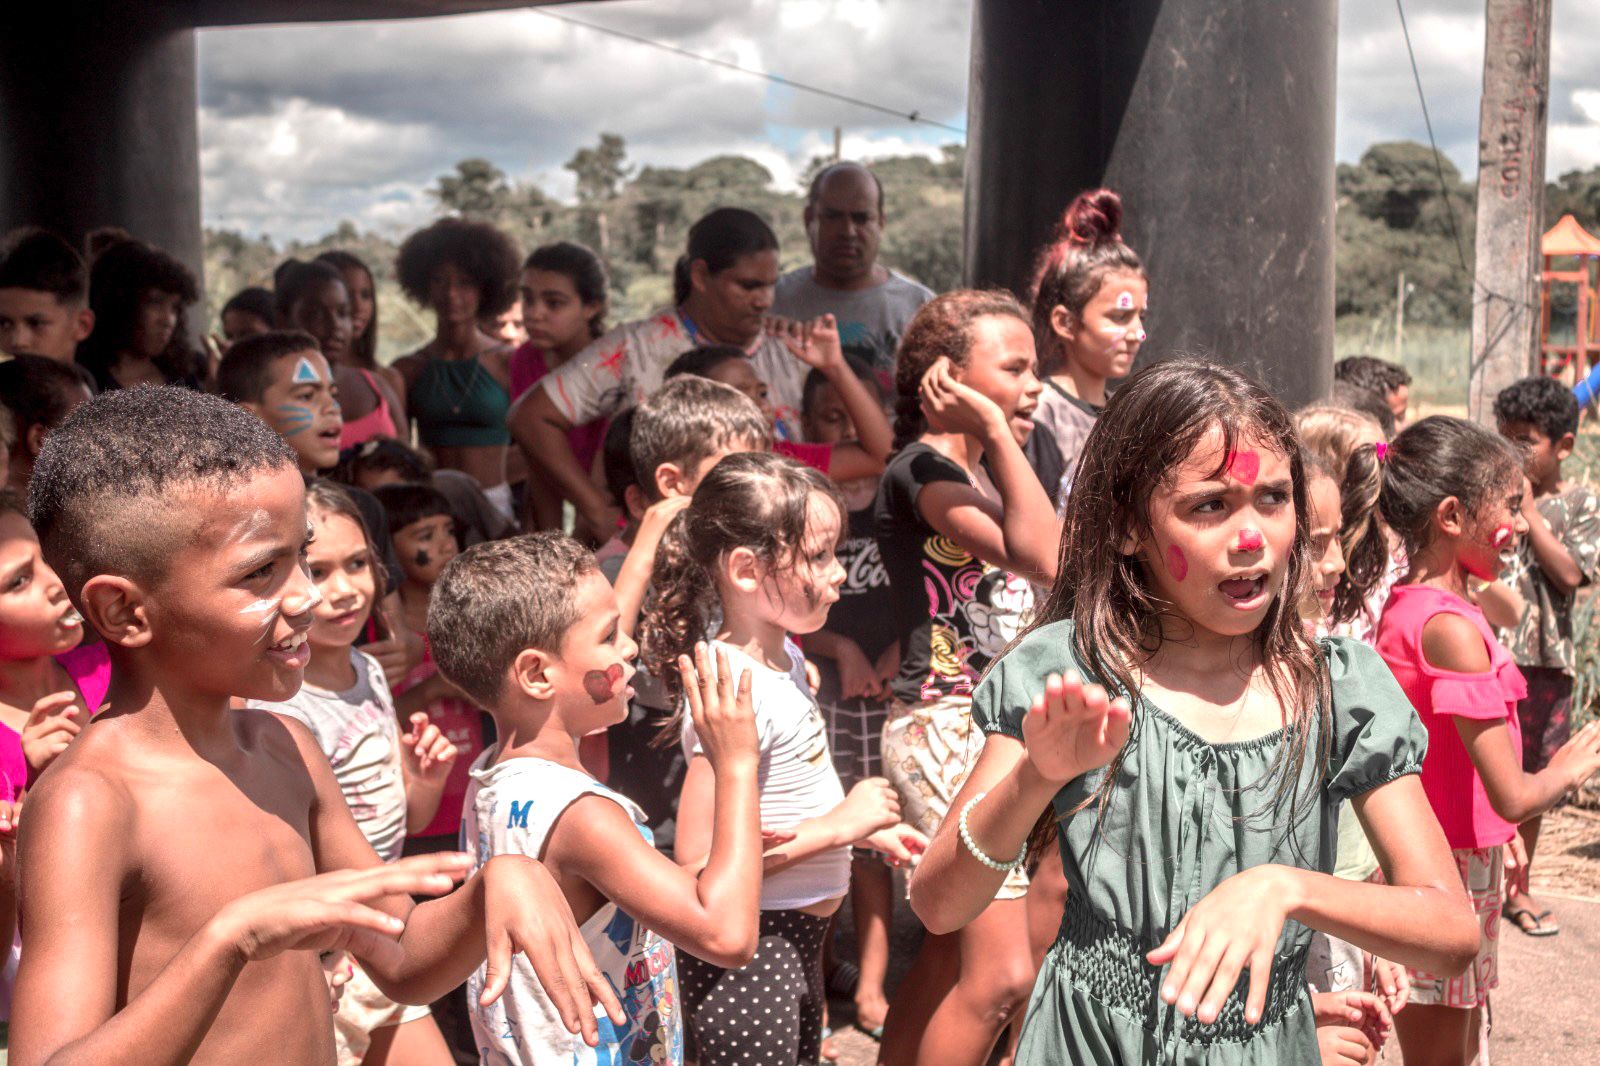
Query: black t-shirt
864	601
951	611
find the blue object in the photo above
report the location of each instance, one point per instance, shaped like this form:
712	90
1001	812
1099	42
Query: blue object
1587	389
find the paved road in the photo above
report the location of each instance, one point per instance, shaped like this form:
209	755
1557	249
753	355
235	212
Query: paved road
1546	1012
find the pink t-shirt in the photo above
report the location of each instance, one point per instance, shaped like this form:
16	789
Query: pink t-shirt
1449	777
89	667
527	367
817	456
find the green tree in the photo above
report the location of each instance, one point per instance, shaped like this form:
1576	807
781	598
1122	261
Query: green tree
477	189
600	170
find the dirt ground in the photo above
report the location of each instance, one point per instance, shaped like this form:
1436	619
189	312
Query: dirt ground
1547	1009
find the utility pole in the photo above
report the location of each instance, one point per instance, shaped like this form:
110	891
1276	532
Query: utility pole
1400	318
1511	149
838	144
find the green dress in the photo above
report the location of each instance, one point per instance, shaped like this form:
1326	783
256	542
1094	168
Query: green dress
1186	815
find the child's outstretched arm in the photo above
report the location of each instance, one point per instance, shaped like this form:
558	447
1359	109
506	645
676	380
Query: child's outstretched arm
715	913
1021	533
816	344
1072	729
75	858
1420	918
633	580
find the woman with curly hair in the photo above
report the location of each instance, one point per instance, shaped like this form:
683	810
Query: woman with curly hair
458	385
139	294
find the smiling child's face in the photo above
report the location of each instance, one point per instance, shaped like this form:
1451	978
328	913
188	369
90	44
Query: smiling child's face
341	565
1220	543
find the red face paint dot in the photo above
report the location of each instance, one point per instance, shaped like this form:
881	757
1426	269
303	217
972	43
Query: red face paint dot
1177	564
601	685
1244	466
1250	540
1502	536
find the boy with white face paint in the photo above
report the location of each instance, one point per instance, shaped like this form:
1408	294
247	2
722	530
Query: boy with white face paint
282	378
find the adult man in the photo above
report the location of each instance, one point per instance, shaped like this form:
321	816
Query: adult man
844	222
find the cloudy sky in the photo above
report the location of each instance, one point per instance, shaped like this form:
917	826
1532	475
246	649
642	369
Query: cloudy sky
302	126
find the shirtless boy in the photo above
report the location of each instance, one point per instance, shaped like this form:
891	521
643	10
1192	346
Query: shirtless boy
172	909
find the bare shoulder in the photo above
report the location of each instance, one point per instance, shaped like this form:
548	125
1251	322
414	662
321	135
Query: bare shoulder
409	367
80	817
279	737
1451	642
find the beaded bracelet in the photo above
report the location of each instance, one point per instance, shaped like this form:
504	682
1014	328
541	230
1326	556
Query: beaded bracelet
977	852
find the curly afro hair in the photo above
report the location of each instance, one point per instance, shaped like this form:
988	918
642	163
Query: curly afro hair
106	489
1542	402
477	249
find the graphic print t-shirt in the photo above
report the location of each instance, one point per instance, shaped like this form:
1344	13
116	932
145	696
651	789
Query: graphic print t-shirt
870	320
952	611
510	810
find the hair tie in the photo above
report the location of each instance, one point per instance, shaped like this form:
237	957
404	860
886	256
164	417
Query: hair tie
1380	449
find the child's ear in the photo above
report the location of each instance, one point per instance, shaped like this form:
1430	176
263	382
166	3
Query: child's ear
633	502
1450	516
1063	322
669	480
1565	446
82	324
530	673
255	409
744	569
114	606
35	439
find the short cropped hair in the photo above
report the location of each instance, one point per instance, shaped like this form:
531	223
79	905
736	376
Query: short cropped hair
254	301
37	259
688	419
616	457
477	249
383	454
411	502
103	486
814	190
1539	401
1365	401
246	371
1371	373
497	599
39	391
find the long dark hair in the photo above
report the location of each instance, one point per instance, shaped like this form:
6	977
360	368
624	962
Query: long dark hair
363	349
754	500
1437	458
720	239
118	278
941	329
580	266
1087	247
1150	427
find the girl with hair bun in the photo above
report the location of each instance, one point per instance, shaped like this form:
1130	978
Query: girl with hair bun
1090	300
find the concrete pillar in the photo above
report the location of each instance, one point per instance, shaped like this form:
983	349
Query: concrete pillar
98	125
1215	121
1511	144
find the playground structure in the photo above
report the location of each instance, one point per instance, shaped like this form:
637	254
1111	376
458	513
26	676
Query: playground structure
1567	240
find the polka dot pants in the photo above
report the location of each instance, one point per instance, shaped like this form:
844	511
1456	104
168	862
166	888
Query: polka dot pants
770	1012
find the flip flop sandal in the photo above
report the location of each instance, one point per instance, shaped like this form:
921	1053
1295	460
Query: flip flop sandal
1516	915
830	1050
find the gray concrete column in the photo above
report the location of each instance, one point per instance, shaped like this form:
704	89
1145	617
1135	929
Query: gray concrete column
1215	121
98	125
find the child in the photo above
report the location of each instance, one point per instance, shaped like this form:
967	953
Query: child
1453	493
425	539
138	295
44	296
391	782
751	560
39	393
282	378
961	541
856	660
386	461
1560	555
1169	684
1390	382
1090	300
529	628
169	857
622	485
247	312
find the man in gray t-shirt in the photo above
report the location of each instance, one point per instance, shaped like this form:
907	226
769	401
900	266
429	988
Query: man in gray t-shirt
844	222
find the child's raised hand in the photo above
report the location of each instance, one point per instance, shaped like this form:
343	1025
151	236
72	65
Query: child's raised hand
951	407
51	726
902	844
1233	928
525	911
334	911
427	752
1579	758
1392	983
1074	728
659	515
870	806
724	718
814	343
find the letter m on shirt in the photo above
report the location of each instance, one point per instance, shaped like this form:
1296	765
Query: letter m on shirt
519	814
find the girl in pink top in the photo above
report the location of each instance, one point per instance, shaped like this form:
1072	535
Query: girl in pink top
1453	491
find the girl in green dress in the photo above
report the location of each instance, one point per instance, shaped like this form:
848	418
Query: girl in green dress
1169	719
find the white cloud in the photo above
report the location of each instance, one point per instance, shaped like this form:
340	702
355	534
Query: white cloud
302	126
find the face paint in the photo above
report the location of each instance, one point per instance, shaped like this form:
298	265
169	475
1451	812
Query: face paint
1124	301
422	558
1502	537
601	685
305	373
1177	563
1250	540
294	419
1244	466
1140	337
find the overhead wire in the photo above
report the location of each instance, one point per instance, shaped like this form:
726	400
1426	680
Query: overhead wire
777	79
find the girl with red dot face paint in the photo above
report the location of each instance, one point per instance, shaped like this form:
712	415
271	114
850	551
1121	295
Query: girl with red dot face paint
1244	721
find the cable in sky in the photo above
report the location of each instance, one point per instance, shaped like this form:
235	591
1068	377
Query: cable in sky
778	79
